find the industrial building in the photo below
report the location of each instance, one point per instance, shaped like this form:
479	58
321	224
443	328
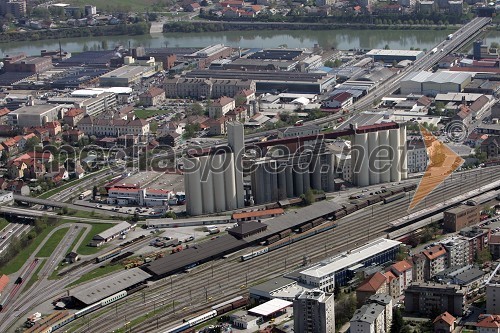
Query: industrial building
394	55
140	197
214	182
126	76
22	63
272	81
428	83
313	312
181	87
340	269
35	115
111	233
378	156
93	101
92	292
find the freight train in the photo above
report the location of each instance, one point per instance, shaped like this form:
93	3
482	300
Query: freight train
320	225
215	311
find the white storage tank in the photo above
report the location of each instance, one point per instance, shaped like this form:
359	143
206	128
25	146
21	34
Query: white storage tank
207	186
360	159
194	202
403	149
373	151
218	180
385	165
394	138
229	181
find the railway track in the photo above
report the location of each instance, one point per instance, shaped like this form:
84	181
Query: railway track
213	279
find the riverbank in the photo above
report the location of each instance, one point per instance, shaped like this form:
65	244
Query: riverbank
215	26
47	34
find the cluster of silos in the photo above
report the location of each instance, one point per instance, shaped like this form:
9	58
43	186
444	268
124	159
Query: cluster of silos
214	183
379	156
274	180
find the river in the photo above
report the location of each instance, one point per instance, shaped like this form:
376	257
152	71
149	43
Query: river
341	39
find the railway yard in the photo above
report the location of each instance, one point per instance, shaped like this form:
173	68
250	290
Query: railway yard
167	301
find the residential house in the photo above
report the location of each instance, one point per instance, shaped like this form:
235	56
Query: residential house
72	136
16	169
18	187
247	95
73	116
444	323
192	7
494	244
3	116
41	157
113	127
220	107
152	97
10	146
216	126
435	261
488	324
238	114
374	284
431	298
491	146
21	142
403	271
58	176
375	316
54	128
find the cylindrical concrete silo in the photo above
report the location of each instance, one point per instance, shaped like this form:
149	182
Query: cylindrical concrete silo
194	202
267	183
385	165
331	172
282	184
373	166
360	167
395	155
403	152
316	173
274	185
230	182
218	180
298	185
207	186
289	182
306	180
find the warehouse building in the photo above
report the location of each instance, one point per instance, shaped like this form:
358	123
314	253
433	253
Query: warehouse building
395	55
111	233
460	217
126	75
95	291
35	115
428	83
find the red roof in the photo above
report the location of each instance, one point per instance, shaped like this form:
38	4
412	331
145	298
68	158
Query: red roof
4	111
373	283
402	266
434	252
258	213
491	321
342	97
4	280
446	317
73	112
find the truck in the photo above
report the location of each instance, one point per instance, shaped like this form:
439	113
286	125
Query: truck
450	36
85	194
214	231
434	50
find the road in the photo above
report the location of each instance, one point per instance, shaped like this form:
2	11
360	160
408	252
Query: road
222	279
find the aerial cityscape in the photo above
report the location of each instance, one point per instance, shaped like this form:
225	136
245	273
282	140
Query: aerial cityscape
310	166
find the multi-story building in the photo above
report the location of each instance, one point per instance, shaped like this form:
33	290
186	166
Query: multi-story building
460	217
493	292
491	146
403	273
375	316
477	238
314	312
152	97
435	261
432	298
220	107
205	88
488	324
457	251
35	115
140	197
16	8
375	284
494	245
417	156
418	271
336	270
113	127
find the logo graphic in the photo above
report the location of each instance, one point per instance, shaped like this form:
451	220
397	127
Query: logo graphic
442	160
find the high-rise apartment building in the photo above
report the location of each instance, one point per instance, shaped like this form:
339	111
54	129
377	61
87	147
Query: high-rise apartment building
313	312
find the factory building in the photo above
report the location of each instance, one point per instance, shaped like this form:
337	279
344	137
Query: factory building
394	55
379	156
34	115
214	182
427	83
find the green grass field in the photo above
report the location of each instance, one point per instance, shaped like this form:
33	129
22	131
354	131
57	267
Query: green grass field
52	243
131	5
102	270
18	261
3	223
143	114
84	249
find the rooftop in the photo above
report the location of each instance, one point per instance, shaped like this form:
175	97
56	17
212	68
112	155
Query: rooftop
270	307
117	228
380	52
38	109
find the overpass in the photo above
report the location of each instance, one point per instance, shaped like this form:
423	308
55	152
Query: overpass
30	213
57	204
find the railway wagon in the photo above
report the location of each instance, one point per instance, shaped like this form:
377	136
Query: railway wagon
349	209
394	197
361	204
224	309
398	190
285	233
409	188
317	222
339	214
122	256
385	194
374	199
108	255
239	303
273	239
305	227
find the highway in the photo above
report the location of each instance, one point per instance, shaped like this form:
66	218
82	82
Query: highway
216	281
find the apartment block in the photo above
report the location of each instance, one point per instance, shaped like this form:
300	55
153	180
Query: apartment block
431	298
314	312
493	292
435	261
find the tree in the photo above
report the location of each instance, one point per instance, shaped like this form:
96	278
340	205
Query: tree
40	12
85	47
386	47
240	100
94	192
104	45
309	197
170	214
196	110
31	143
397	321
483	256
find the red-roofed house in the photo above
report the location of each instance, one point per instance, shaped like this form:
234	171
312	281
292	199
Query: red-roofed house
404	270
216	126
192	7
374	284
10	146
489	324
339	101
16	169
41	157
220	107
153	96
444	323
54	128
3	115
247	94
239	114
73	116
72	136
4	281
